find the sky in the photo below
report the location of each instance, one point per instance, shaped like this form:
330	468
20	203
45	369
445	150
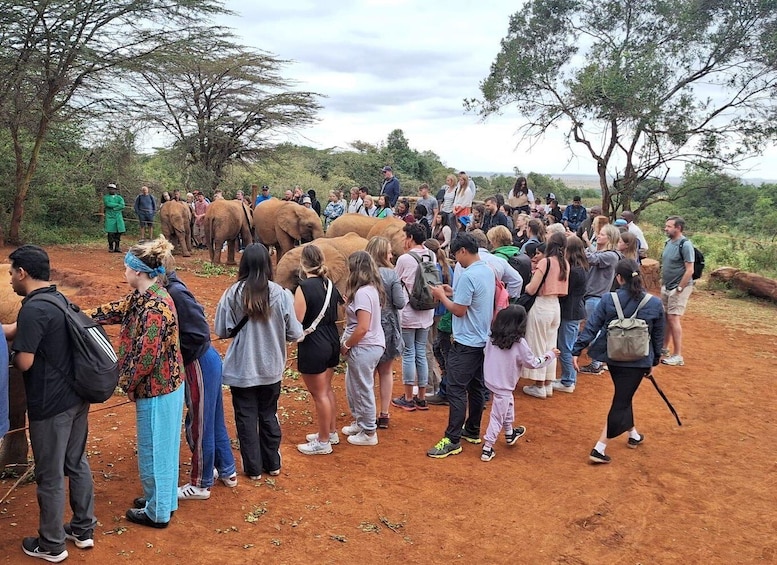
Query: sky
387	64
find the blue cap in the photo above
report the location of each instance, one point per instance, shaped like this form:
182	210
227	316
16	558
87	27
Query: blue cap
621	222
465	220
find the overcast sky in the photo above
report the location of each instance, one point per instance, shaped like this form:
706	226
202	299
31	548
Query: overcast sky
386	64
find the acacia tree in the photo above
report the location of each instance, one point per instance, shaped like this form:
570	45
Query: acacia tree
222	103
56	55
639	84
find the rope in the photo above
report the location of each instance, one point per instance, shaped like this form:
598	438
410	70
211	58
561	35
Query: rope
17	430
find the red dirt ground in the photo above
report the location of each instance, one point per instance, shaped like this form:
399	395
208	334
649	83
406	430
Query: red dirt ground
703	492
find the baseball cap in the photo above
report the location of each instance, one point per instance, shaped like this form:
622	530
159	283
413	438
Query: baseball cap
551	196
265	187
387	168
531	248
620	222
464	220
111	185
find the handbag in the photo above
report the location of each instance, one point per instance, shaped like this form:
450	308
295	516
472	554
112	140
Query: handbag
527	300
320	316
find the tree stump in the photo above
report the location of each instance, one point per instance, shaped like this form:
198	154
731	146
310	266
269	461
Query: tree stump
651	274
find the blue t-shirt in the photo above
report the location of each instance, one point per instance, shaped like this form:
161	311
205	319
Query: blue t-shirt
261	198
474	288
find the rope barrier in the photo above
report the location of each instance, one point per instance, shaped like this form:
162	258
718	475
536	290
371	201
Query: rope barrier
17	430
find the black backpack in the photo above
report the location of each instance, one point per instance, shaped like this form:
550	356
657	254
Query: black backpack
95	365
698	260
427	274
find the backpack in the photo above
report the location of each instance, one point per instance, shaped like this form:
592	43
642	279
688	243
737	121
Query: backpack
95	365
427	274
628	339
698	260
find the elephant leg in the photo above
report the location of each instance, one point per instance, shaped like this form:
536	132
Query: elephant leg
218	244
13	448
231	251
181	235
285	243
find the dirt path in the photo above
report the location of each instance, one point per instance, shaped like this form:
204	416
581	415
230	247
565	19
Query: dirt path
703	492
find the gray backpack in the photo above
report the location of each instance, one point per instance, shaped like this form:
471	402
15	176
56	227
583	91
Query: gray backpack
427	274
628	339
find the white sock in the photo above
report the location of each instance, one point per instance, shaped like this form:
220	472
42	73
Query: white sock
633	434
600	447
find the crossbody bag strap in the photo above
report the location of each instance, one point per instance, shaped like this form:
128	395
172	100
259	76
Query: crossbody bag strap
544	276
238	327
321	314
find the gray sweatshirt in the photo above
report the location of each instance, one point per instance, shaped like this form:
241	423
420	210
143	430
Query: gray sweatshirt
601	272
257	354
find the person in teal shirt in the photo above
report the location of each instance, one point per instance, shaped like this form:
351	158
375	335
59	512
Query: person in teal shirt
114	220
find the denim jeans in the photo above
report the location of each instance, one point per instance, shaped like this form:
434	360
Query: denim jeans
414	367
567	334
590	305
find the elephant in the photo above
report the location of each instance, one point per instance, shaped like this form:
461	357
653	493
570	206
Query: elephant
391	229
282	224
226	220
357	223
336	252
176	220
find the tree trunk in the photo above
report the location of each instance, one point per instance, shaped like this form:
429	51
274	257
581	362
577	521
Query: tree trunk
602	171
24	174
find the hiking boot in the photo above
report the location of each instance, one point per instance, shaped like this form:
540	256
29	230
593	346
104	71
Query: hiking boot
82	541
315	447
444	448
591	369
487	454
512	437
437	400
537	391
420	404
634	443
597	457
673	360
334	439
558	385
403	403
31	546
351	430
469	437
363	438
191	492
383	421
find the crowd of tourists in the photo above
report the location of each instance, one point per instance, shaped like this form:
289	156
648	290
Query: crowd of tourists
479	300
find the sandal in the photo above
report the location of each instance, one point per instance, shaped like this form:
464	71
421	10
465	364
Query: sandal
383	421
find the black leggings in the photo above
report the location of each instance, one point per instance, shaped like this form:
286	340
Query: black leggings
621	416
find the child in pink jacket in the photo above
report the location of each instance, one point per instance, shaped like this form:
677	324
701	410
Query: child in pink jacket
506	354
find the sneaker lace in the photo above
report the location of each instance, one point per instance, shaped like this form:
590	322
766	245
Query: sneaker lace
442	443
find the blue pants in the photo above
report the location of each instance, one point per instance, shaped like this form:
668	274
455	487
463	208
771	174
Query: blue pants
414	367
590	305
159	442
567	334
206	432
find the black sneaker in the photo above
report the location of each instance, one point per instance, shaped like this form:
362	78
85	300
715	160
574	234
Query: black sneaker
592	369
82	541
437	400
512	438
31	547
487	454
471	438
597	457
633	443
420	404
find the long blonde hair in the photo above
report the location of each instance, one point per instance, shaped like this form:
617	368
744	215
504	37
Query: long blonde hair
378	247
363	272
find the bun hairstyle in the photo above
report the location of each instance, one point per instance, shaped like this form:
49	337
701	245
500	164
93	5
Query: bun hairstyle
155	253
312	262
630	272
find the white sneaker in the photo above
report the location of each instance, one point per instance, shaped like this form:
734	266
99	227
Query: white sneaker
549	389
190	492
315	447
563	388
230	481
673	360
352	429
334	439
363	439
535	391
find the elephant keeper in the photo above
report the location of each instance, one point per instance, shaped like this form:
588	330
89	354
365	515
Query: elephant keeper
113	204
200	207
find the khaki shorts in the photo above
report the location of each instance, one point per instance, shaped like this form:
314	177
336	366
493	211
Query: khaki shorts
675	302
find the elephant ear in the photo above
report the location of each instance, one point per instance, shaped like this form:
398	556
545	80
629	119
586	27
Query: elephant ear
292	227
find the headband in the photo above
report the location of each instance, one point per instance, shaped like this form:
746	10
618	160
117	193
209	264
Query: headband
134	263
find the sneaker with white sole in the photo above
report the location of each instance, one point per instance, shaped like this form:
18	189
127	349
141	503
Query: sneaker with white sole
633	443
31	546
557	385
315	447
191	492
363	438
512	437
352	429
537	391
82	541
230	481
549	390
334	439
487	454
592	369
673	360
598	457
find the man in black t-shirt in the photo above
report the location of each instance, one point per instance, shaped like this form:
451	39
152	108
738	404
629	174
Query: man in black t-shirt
58	416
